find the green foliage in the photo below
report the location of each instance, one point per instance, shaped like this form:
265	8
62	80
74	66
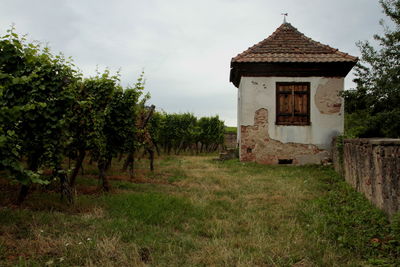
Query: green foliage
128	114
374	106
230	129
156	125
36	94
354	123
395	232
107	96
212	132
48	111
111	115
179	132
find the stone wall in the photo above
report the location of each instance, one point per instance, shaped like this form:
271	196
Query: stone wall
372	166
230	140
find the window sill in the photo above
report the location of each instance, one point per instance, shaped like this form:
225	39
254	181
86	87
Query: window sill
285	124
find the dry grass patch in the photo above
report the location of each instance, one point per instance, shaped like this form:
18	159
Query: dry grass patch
110	251
31	248
192	211
95	213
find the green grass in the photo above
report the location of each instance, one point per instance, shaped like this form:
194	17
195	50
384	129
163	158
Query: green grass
152	208
349	221
193	211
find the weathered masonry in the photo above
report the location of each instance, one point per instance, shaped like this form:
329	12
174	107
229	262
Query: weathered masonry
289	106
372	167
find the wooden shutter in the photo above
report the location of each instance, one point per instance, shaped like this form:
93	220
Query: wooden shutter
292	103
284	104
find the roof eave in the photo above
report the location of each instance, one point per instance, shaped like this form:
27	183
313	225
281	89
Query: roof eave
288	69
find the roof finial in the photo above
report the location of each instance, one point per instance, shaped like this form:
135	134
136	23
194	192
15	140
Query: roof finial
284	17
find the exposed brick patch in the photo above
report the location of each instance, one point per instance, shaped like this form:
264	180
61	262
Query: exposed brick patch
327	97
257	146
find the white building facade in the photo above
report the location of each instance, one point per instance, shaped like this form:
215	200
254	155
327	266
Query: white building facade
289	104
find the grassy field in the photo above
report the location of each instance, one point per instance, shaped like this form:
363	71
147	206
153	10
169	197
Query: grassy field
193	211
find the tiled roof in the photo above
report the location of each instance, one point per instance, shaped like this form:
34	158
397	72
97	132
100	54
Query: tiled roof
287	44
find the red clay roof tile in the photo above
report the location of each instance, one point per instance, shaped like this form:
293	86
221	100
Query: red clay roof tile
287	44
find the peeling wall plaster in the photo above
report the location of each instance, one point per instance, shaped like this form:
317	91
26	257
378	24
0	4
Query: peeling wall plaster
327	97
259	93
256	145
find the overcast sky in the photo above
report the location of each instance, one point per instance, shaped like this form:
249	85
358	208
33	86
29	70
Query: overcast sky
184	46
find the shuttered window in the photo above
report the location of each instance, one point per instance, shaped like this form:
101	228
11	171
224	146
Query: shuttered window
292	103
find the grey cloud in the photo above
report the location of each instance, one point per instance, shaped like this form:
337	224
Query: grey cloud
185	47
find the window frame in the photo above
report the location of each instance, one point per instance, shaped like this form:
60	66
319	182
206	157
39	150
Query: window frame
278	114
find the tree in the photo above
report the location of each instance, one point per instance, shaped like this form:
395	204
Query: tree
373	108
130	113
36	93
113	118
48	111
211	133
103	90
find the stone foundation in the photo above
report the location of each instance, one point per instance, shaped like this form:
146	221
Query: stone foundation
230	140
257	146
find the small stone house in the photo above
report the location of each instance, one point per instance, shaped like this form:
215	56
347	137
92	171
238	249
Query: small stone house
289	106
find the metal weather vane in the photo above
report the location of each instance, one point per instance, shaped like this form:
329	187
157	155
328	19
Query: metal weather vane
284	17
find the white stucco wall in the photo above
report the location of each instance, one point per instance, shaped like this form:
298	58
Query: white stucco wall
260	92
